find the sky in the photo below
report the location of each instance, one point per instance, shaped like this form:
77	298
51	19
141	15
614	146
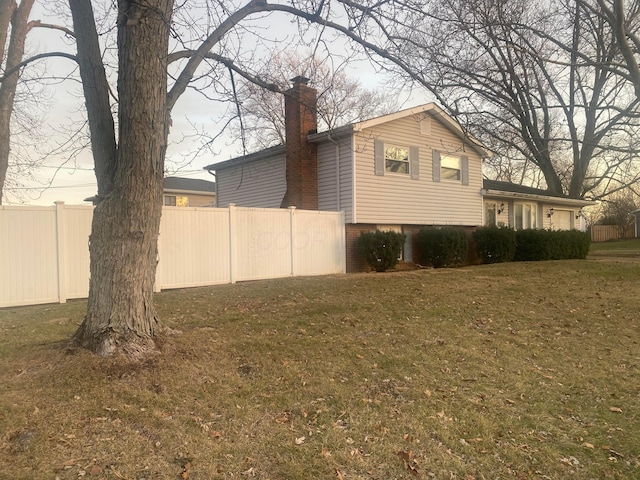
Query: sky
59	179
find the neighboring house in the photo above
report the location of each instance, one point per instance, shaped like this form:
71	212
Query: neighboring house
511	205
636	216
188	192
401	172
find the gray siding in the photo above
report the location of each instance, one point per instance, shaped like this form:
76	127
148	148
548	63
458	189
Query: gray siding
399	199
261	183
335	185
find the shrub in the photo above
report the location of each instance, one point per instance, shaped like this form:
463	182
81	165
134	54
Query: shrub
495	245
534	245
442	247
380	249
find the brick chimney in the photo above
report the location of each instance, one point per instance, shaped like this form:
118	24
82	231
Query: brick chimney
300	107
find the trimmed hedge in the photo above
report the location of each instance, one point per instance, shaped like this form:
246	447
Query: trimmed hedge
535	245
495	245
442	247
380	249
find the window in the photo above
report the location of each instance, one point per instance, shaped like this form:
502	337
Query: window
490	216
389	158
176	201
450	168
396	159
524	216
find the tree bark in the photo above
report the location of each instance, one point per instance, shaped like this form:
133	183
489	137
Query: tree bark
120	316
18	17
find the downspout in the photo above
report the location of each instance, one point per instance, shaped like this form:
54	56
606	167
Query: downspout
338	192
215	183
354	216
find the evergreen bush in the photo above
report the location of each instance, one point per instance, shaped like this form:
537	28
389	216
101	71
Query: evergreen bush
381	250
536	245
442	247
495	245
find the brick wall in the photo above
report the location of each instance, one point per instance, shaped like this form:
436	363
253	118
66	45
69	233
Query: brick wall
302	160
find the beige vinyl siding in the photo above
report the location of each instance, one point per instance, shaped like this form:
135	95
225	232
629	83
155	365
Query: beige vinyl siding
399	199
195	200
202	200
261	183
334	194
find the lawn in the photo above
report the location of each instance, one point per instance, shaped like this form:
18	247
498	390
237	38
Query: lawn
522	370
624	248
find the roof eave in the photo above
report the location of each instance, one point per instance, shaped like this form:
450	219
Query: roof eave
533	196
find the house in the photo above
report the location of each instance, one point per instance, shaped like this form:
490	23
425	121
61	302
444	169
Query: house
636	216
188	192
402	171
517	206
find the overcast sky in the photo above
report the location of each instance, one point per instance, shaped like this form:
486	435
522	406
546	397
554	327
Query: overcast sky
73	181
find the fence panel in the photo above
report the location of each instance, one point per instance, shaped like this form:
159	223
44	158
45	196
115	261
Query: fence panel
604	233
193	248
28	256
318	243
75	242
261	243
44	251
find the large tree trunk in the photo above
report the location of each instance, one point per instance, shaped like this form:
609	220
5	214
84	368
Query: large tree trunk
123	242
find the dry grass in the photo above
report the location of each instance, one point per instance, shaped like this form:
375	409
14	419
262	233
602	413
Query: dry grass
524	370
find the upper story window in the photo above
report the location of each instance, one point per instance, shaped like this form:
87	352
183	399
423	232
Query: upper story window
450	168
391	158
176	201
396	159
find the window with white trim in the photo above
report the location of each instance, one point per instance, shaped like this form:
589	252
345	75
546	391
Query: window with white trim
450	168
396	159
524	216
490	214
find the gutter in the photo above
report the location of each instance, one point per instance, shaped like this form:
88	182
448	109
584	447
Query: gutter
532	196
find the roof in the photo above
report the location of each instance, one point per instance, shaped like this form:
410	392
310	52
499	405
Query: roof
259	155
430	109
497	187
189	184
517	188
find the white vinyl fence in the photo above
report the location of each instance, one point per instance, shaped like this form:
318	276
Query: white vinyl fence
44	251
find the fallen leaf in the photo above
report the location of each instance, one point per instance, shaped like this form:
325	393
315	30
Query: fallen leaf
588	445
339	474
95	470
300	440
616	409
185	471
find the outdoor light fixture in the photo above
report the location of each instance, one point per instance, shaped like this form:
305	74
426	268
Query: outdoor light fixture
579	214
501	208
550	214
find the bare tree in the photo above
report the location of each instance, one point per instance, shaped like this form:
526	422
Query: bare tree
129	165
532	80
22	94
14	25
616	210
623	20
341	99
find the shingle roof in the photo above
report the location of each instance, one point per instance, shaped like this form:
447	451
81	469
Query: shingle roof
516	188
189	184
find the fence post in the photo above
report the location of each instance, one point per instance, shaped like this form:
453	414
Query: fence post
292	211
60	254
232	237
